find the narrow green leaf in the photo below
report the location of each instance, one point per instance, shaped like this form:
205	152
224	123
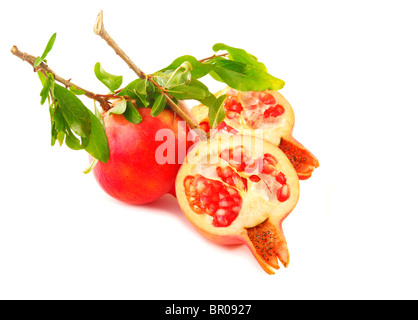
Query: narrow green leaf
141	86
42	77
72	142
54	134
150	88
198	69
245	77
159	105
38	61
185	92
131	113
45	90
217	112
58	120
240	55
109	80
209	101
98	114
74	111
49	46
61	137
98	146
142	99
128	90
119	108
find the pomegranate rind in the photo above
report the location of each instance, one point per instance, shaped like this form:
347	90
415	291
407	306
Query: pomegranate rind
256	207
132	174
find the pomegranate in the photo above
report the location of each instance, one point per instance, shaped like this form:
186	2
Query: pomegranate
265	114
134	174
239	189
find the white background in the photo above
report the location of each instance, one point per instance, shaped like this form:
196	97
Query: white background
351	72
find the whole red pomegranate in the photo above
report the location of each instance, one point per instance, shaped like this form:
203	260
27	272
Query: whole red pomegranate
136	172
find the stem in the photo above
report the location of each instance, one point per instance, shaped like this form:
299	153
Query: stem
103	100
213	56
100	31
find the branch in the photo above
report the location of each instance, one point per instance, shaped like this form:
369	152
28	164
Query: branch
67	83
100	30
213	56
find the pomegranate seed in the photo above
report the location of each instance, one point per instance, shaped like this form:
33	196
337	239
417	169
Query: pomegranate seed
266	98
269	163
274	112
255	178
223	127
231	114
270	159
205	126
239	182
280	178
236	108
283	193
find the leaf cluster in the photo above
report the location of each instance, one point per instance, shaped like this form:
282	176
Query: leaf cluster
73	123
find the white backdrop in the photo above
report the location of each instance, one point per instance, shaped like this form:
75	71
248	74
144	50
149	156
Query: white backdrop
351	76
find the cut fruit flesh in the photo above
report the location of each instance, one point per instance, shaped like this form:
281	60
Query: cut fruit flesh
229	189
267	115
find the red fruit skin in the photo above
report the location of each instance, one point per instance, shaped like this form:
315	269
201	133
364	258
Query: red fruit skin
132	174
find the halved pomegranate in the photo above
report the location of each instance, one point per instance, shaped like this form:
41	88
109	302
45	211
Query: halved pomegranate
239	189
267	115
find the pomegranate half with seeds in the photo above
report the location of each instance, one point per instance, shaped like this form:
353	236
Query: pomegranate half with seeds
267	115
239	189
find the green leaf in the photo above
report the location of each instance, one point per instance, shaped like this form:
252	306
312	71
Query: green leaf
42	77
131	113
54	134
209	101
128	90
159	105
240	55
109	80
150	88
91	166
75	113
217	112
185	92
72	142
58	119
141	86
98	146
245	77
98	114
119	108
61	137
38	61
142	99
45	90
198	69
76	91
49	46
